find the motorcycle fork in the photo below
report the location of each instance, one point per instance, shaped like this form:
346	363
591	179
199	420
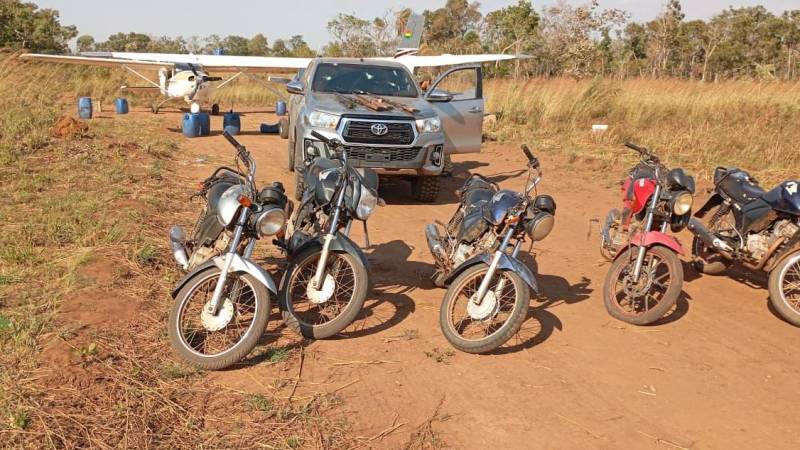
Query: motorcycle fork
484	287
319	275
214	304
651	212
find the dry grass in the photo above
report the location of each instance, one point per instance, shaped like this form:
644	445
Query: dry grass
109	196
698	126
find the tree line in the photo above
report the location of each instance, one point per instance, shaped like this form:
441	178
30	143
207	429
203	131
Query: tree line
561	40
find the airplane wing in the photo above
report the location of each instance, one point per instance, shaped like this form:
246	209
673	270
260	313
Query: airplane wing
215	63
97	61
414	61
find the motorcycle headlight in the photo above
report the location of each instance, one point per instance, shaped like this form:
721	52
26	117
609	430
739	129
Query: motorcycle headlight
366	203
319	119
270	221
682	203
430	125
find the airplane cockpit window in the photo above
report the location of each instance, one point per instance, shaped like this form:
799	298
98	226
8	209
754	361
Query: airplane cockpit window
357	78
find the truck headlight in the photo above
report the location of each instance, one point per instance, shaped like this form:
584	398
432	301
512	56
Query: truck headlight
682	203
430	125
319	119
366	203
270	221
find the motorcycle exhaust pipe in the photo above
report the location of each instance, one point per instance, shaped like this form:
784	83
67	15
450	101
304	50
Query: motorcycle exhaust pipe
700	230
177	237
434	242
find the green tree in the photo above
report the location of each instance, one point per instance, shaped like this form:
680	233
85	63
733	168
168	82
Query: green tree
299	47
24	25
85	43
514	27
236	45
446	28
126	42
258	45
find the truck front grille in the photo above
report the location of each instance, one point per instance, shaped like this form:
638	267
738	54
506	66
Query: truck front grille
360	132
382	154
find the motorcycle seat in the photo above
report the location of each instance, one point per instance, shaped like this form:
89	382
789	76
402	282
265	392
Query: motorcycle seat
738	185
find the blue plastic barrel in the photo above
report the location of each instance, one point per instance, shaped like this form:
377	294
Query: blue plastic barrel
205	123
280	108
231	122
191	125
267	128
121	105
85	107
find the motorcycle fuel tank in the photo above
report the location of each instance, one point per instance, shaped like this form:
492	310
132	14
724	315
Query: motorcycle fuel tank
497	208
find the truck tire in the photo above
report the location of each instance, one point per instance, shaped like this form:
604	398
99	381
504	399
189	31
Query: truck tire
299	185
283	128
447	170
291	153
426	189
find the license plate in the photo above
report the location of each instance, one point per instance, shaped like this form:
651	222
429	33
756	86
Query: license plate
377	157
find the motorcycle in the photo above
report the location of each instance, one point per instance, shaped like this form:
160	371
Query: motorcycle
222	305
646	274
488	287
326	281
760	229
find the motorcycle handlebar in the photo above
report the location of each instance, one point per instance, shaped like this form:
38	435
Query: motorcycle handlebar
319	136
635	147
527	152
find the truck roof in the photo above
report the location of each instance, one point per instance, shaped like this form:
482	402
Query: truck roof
366	62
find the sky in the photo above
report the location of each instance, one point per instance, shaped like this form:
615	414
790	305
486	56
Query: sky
282	19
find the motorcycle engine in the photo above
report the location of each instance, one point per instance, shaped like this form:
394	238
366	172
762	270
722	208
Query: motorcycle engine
203	254
759	243
465	251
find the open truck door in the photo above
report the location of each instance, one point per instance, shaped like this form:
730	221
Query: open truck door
457	96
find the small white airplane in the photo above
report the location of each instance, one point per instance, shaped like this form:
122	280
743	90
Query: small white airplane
186	76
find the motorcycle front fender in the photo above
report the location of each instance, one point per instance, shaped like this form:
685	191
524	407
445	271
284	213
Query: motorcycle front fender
188	276
239	265
340	243
713	201
506	263
652	239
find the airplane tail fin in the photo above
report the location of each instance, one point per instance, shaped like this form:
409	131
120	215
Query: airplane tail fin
412	35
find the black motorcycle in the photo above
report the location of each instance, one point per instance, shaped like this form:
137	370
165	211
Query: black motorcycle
757	228
222	306
487	299
326	282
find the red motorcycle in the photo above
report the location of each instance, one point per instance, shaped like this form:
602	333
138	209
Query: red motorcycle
646	275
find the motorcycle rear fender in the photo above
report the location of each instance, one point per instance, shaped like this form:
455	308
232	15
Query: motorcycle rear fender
506	263
239	265
340	244
713	201
652	239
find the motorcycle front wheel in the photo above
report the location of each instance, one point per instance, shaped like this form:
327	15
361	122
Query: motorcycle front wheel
215	342
649	298
324	312
784	289
482	328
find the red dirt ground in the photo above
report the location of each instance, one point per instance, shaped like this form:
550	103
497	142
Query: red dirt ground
720	372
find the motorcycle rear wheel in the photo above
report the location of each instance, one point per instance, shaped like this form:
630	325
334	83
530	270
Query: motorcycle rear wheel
648	308
244	296
457	324
784	289
322	320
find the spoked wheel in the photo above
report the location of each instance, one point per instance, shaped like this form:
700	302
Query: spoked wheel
481	328
324	312
213	342
649	298
784	289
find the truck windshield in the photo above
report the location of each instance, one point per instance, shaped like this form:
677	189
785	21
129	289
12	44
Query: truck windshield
358	78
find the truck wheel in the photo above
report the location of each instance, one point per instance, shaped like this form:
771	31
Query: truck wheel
283	128
299	185
448	168
215	109
425	189
291	152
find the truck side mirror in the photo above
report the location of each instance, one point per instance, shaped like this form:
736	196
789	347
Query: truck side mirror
294	87
437	95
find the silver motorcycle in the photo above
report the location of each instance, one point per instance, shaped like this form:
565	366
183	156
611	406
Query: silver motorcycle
476	258
222	306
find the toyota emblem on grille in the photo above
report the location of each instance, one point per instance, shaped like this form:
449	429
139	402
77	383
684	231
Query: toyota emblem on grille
379	129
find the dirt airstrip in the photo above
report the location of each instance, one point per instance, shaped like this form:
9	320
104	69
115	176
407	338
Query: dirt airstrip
721	371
